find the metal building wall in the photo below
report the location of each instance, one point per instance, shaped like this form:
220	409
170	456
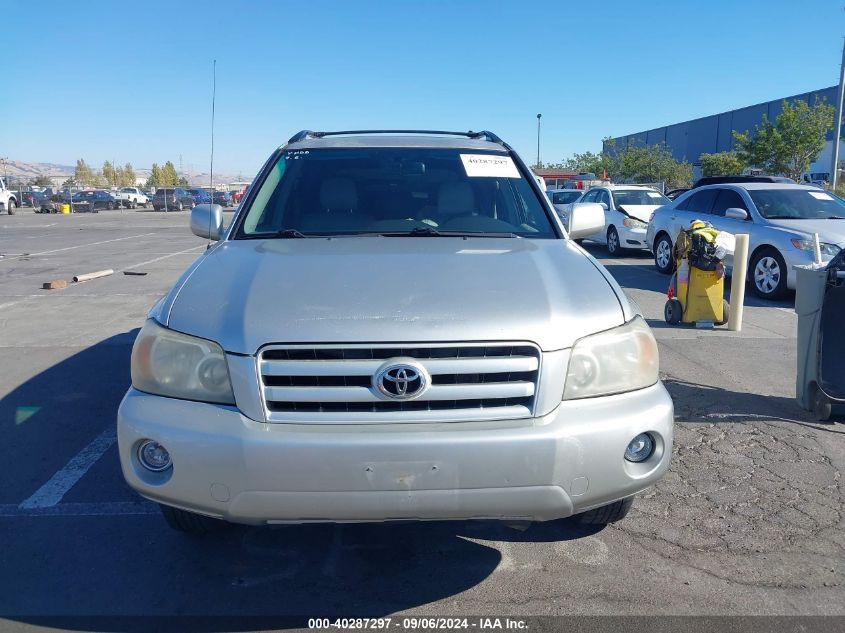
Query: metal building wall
690	139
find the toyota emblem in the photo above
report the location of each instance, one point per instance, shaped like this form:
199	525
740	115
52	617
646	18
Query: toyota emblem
401	381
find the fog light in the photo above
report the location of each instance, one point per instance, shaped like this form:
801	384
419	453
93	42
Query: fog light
640	448
153	456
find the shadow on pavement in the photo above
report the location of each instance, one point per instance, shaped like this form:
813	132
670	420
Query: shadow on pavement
84	572
701	403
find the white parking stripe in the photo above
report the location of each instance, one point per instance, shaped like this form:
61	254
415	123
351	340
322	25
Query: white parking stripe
158	259
70	248
52	492
108	508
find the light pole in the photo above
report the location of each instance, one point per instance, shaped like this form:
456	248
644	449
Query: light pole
538	140
837	123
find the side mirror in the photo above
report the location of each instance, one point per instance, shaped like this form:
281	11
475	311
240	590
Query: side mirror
736	214
585	218
603	205
207	221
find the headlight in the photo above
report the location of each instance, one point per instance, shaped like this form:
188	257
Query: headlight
168	363
807	245
615	361
633	223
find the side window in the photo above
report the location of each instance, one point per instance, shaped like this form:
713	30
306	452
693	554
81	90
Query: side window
590	196
727	199
701	201
557	198
603	197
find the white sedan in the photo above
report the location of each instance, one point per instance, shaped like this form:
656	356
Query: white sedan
627	211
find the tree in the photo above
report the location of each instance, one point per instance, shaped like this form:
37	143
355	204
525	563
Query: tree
128	176
169	175
109	174
155	179
722	164
41	181
82	174
791	143
651	163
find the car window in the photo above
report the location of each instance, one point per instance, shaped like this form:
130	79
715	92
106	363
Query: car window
565	197
638	197
602	197
701	201
727	199
347	191
797	204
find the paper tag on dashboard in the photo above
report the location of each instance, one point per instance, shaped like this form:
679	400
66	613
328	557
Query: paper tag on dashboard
820	195
653	194
487	166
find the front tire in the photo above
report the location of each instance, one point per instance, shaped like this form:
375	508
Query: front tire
614	247
768	274
664	260
189	522
11	206
611	513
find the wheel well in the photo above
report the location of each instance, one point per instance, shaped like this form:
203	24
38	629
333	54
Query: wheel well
757	251
657	238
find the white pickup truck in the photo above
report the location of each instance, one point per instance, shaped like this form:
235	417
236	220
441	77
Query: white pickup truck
131	197
8	199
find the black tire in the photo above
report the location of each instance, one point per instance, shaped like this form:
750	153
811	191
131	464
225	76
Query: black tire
822	407
773	284
10	207
110	206
673	311
614	247
189	522
611	513
726	312
662	246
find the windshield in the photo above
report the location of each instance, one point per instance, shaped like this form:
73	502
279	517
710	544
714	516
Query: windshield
796	204
389	190
638	196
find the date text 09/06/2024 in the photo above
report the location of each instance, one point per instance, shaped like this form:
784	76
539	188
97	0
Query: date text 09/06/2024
414	623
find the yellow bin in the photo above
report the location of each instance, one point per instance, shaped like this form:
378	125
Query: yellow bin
697	296
64	208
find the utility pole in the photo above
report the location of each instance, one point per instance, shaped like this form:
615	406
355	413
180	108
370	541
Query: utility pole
837	124
538	140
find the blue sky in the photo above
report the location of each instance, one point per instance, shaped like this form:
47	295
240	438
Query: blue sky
132	81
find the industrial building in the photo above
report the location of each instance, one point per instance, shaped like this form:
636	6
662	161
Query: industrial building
711	134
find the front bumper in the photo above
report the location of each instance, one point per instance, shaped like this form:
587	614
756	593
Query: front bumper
633	238
228	466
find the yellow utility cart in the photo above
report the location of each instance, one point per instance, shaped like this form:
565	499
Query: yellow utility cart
696	295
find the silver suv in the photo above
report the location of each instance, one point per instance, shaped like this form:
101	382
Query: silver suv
395	325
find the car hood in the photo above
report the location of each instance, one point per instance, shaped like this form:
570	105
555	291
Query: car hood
830	231
640	211
247	293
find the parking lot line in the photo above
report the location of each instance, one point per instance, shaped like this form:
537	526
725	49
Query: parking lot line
158	259
52	492
70	248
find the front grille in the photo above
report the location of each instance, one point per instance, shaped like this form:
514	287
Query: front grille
332	384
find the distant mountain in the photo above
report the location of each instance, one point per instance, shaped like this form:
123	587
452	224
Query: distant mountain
22	170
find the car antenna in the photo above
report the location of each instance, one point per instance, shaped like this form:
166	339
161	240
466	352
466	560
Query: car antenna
211	168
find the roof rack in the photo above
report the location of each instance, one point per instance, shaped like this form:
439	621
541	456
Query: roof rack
489	136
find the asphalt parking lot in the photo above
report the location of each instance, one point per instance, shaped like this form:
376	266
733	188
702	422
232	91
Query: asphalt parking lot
747	521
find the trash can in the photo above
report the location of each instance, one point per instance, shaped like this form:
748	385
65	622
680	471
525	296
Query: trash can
64	208
697	290
820	306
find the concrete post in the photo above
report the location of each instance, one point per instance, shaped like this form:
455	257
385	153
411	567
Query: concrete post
740	270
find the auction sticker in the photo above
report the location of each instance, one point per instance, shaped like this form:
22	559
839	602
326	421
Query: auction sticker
487	166
820	195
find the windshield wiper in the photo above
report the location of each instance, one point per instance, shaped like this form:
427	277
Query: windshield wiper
432	232
287	234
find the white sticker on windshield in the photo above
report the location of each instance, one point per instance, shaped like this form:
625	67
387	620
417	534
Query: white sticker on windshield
820	195
487	166
653	194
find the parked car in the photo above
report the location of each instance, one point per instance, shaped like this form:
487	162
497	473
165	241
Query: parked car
93	201
780	219
454	358
131	197
8	198
627	211
38	200
674	193
223	198
722	180
200	196
172	199
563	199
238	195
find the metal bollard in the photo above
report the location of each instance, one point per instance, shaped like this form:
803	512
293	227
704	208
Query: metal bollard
740	269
